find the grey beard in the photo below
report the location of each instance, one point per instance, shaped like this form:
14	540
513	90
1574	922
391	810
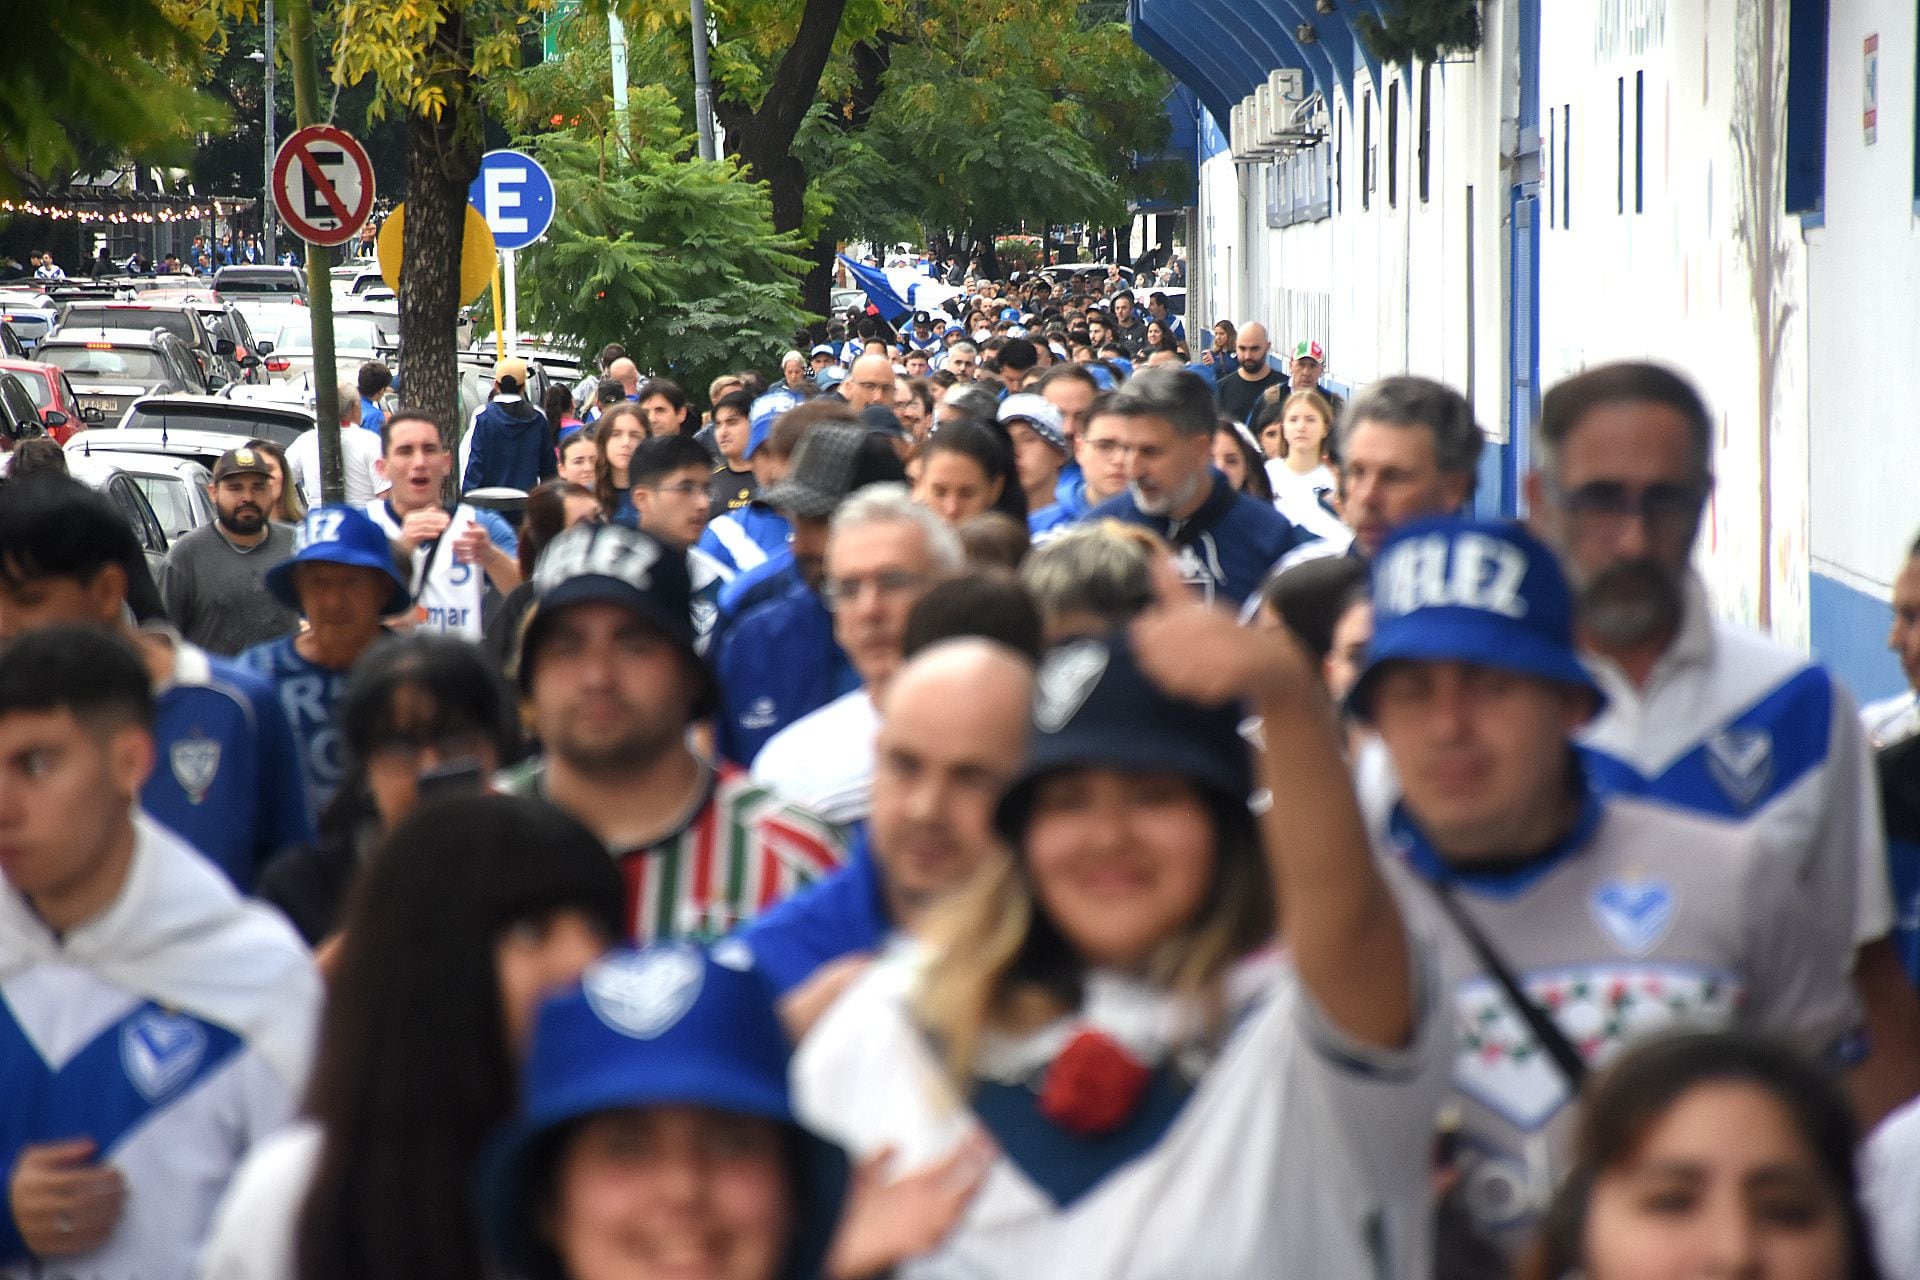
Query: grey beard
1178	498
1631	603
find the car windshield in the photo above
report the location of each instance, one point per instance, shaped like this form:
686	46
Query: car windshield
244	281
111	364
236	422
176	323
350	334
168	497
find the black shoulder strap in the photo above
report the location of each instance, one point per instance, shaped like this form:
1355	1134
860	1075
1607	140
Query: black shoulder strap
1538	1020
433	550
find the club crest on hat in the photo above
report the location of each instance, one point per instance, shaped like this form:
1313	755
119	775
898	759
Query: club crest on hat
1635	914
196	763
1065	679
1741	762
160	1051
243	457
646	993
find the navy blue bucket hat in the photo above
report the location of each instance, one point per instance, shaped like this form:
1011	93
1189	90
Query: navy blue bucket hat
1484	592
340	535
1094	708
669	1025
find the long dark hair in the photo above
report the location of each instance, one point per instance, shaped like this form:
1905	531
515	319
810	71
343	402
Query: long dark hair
545	520
1256	484
1631	1099
989	445
414	1069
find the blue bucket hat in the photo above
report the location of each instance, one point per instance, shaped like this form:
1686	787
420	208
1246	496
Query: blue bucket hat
670	1025
1094	708
339	535
1484	592
765	410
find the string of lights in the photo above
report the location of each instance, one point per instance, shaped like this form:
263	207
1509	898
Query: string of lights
128	213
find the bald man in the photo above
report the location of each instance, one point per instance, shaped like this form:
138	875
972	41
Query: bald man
869	381
627	374
1241	389
953	724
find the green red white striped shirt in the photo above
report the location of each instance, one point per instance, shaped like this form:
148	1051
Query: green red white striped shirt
742	850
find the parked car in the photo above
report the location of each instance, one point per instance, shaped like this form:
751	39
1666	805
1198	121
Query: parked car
355	339
111	368
19	420
54	397
260	282
175	487
30	313
218	357
229	420
126	496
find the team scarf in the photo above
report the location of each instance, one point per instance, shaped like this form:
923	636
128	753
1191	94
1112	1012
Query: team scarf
179	935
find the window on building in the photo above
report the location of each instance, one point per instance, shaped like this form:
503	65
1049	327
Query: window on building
1366	150
1553	166
1640	142
1806	176
1393	145
1566	167
1339	160
1426	127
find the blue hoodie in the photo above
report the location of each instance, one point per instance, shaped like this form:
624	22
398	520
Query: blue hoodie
774	659
512	447
732	537
1226	547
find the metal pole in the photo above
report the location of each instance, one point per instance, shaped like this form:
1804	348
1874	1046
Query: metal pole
326	383
617	39
513	303
267	238
702	81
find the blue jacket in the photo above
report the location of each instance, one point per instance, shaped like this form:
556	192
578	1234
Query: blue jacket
1069	506
1226	547
512	446
839	916
775	659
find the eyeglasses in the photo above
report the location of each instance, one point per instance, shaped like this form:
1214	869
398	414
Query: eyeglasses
685	489
1663	506
878	388
838	592
1107	448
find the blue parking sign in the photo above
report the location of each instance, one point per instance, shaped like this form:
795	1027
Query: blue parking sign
515	195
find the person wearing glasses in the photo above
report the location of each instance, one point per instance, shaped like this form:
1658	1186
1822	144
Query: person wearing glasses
1704	714
883	551
672	479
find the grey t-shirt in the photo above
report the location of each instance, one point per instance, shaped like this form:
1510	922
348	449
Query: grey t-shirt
216	593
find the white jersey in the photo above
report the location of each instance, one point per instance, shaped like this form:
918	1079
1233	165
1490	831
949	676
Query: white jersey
1295	1153
1647	919
1300	499
1732	725
173	1029
824	760
252	1237
447	595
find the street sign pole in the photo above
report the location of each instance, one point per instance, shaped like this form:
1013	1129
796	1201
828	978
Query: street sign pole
513	305
499	325
326	389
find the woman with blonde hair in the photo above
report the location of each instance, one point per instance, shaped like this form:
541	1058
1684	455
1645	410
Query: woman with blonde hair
1170	1092
1298	442
616	434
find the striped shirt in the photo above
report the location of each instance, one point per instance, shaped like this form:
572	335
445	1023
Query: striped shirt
740	850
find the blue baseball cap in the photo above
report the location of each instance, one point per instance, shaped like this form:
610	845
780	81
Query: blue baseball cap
339	535
1484	592
671	1025
1094	708
765	411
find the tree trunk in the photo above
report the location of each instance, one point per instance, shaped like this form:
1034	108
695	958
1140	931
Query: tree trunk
441	164
989	260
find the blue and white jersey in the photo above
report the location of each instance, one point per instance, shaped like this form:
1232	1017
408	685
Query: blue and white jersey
742	540
1732	725
310	695
1644	919
227	775
1292	1151
447	594
174	1030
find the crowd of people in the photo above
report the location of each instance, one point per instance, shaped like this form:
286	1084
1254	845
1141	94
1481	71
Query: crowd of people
1009	796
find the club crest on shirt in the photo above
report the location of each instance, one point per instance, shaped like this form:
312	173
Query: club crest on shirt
160	1052
196	762
644	994
1741	762
1634	914
1064	681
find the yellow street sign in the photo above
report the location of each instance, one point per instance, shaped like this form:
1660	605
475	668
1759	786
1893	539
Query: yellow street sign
477	257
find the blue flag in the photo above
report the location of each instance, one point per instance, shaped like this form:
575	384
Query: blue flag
879	290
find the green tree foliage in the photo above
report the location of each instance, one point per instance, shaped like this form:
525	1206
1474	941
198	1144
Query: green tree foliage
1422	30
673	257
95	80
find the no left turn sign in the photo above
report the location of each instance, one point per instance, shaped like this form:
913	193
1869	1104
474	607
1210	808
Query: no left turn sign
322	184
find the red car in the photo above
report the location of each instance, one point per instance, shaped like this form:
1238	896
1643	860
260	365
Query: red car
52	393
